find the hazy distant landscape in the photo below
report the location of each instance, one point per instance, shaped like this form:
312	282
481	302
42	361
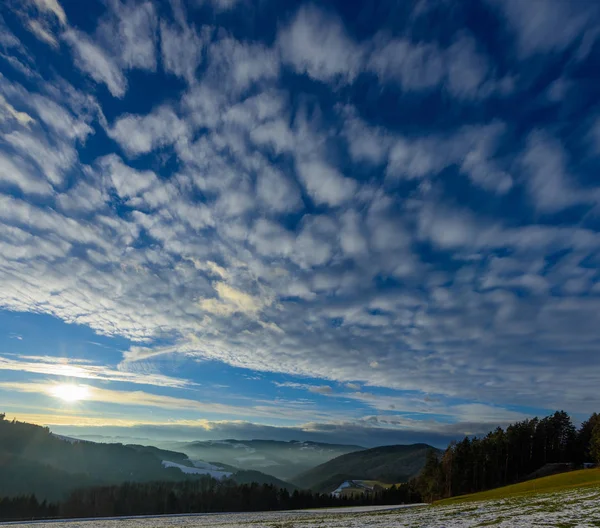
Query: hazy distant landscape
284	460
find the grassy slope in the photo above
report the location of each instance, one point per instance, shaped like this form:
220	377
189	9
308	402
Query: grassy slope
562	481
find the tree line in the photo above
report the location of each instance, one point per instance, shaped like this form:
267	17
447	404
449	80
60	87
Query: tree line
506	456
201	495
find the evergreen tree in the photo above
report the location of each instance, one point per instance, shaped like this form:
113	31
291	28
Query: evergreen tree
595	443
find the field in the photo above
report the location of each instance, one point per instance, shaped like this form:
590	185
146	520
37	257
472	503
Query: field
573	508
562	481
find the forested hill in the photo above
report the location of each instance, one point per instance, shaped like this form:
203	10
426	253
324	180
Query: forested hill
35	461
391	464
510	455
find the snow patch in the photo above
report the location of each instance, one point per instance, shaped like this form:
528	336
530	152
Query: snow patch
196	471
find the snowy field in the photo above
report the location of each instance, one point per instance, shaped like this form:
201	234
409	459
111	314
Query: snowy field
571	509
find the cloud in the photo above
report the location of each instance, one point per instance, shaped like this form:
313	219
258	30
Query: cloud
317	44
130	31
415	67
38	29
181	49
127	182
550	29
93	394
93	60
220	5
277	191
73	368
548	183
373	223
44	18
52	6
16	173
238	66
230	300
324	183
315	389
9	112
141	134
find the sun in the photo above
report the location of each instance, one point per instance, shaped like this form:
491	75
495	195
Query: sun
70	393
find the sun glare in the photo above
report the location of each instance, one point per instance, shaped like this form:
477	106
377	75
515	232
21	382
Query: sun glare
70	393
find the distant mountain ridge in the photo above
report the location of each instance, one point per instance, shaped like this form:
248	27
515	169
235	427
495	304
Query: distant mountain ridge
391	464
278	458
35	461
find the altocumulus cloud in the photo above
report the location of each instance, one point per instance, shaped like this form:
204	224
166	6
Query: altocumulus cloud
374	201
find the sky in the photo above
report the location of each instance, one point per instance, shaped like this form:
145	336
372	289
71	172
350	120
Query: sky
357	222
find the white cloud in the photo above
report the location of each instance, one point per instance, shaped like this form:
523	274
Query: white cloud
42	32
276	191
131	32
236	66
317	44
552	28
127	182
80	369
231	300
270	239
15	173
93	60
54	7
467	68
7	111
181	50
472	148
315	242
352	236
139	134
546	175
414	66
220	5
324	183
52	160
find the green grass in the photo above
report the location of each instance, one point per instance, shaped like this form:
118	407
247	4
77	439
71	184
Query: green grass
562	481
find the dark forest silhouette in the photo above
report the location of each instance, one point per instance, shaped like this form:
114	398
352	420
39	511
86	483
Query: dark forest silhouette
506	456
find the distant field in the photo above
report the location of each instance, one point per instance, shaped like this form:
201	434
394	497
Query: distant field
348	491
379	483
562	481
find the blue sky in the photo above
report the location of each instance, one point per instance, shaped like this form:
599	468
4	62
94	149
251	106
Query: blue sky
371	222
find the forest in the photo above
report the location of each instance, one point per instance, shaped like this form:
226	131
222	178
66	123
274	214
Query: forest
200	495
506	456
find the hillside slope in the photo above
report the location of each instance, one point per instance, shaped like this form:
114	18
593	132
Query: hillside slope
553	483
34	460
280	459
393	464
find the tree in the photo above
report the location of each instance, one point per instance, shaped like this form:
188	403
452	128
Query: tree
431	478
585	437
595	443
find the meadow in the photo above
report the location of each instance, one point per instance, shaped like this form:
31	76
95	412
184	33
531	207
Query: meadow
570	508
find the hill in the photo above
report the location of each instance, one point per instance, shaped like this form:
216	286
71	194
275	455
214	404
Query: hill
280	459
391	464
34	460
554	483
